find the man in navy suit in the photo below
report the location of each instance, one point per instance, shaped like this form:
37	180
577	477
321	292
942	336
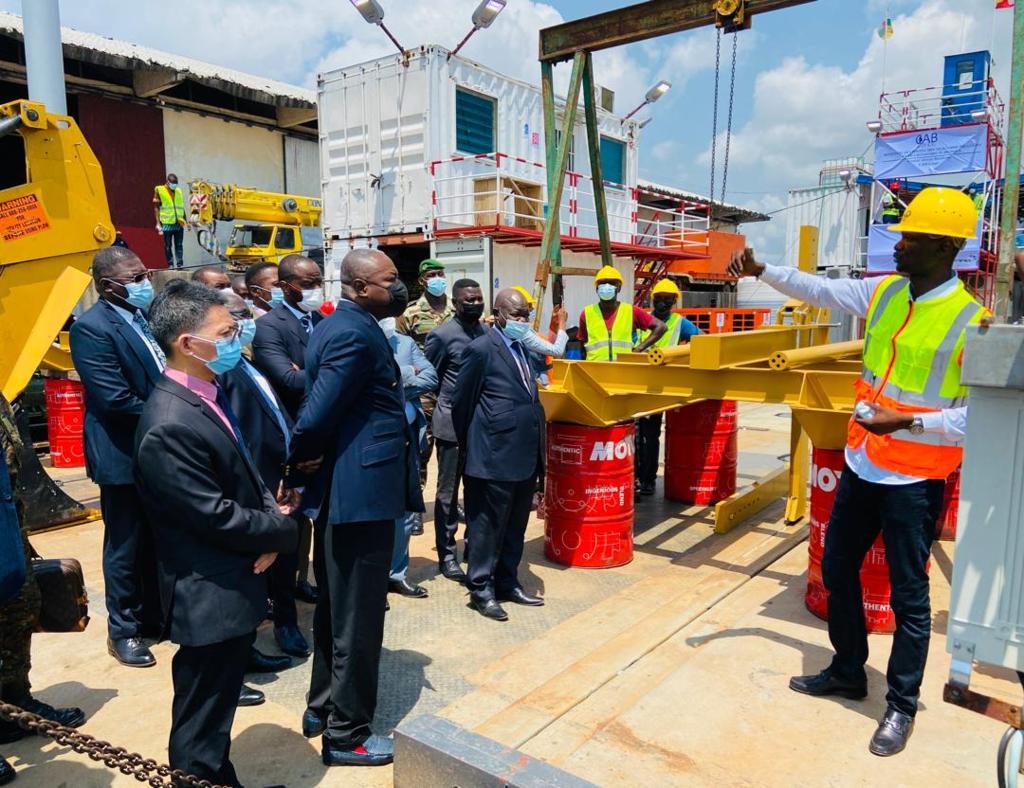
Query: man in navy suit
119	362
499	424
354	417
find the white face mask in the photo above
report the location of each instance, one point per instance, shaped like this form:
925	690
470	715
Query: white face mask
312	300
387	325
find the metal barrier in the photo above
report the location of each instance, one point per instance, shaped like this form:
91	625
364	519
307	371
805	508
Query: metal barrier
723	321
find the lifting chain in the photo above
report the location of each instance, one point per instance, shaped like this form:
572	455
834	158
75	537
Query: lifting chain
142	769
728	122
714	112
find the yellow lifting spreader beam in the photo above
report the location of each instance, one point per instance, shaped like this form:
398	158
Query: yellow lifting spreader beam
50	227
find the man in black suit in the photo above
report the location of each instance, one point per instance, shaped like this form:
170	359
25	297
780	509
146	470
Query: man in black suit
444	348
217	526
119	362
266	428
279	352
499	424
354	417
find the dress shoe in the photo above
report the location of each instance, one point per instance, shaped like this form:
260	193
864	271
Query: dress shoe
827	683
291	641
313	723
460	513
307	593
375	751
520	597
404	588
70	717
249	696
264	663
131	652
489	608
892	734
453	571
647	488
417	530
7	773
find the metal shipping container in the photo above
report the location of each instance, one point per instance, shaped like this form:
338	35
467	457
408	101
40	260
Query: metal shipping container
840	213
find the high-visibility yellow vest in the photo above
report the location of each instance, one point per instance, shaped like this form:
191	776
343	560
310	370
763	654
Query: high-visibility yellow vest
600	345
172	205
891	211
671	337
912	357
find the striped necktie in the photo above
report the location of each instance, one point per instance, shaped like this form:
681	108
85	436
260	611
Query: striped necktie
143	325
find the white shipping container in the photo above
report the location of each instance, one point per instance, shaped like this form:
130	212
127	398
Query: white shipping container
390	163
839	213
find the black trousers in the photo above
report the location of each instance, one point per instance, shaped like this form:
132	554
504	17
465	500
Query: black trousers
174	241
648	448
129	565
446	519
906	516
352	563
497	514
281	586
207	680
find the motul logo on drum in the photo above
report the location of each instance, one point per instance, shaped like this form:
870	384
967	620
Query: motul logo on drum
825	479
604	451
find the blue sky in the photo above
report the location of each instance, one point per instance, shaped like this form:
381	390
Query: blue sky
807	78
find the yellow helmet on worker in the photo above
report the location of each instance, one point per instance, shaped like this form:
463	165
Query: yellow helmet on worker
939	210
666	287
608	274
525	294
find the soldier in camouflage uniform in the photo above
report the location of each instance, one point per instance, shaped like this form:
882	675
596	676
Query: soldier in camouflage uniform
429	311
18	618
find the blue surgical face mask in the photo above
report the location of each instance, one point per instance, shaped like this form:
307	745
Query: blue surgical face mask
515	330
437	285
172	186
229	352
606	291
276	296
140	294
246	331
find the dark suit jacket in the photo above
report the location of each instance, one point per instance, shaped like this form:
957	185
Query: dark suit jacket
443	348
260	427
499	424
281	341
118	372
354	417
211	516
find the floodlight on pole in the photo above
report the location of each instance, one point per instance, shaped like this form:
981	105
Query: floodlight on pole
373	13
483	18
653	95
874	126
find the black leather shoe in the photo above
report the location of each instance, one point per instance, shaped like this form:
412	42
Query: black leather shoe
489	608
453	571
405	588
131	652
291	641
70	717
417	530
460	513
249	696
265	663
307	593
7	773
313	724
647	488
520	597
375	751
826	683
892	734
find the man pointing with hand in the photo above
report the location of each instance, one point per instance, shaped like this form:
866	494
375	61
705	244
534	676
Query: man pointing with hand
903	441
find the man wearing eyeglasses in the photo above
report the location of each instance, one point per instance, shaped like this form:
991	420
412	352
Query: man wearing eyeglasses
119	362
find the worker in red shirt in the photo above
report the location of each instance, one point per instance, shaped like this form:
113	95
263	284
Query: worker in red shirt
607	328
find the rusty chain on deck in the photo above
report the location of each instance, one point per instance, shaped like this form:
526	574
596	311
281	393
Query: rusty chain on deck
145	770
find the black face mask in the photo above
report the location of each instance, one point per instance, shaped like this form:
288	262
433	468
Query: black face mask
399	298
470	313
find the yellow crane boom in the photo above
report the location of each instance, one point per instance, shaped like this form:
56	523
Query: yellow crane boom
210	202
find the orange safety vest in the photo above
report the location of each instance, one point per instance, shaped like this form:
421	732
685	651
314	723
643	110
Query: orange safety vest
912	358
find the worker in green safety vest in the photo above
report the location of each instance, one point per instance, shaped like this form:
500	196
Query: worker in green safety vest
169	211
664	297
890	210
607	328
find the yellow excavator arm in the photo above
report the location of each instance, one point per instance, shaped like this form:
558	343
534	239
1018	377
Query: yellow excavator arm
211	202
50	228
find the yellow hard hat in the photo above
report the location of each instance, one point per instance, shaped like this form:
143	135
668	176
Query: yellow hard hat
525	294
939	210
666	287
606	274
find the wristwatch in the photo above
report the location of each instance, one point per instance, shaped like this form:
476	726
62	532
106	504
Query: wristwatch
916	426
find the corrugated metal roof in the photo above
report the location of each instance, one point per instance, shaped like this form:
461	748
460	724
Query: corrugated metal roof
721	210
101	50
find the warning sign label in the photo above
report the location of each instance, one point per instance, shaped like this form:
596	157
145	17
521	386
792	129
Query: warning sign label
21	217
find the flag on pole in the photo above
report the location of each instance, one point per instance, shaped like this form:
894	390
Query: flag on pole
885	29
1004	4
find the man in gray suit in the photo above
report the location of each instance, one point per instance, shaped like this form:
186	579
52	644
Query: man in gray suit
418	378
444	348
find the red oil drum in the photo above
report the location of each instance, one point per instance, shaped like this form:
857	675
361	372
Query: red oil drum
700	452
588	495
65	413
945	528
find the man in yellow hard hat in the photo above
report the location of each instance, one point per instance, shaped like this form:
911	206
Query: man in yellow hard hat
664	297
607	327
904	439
